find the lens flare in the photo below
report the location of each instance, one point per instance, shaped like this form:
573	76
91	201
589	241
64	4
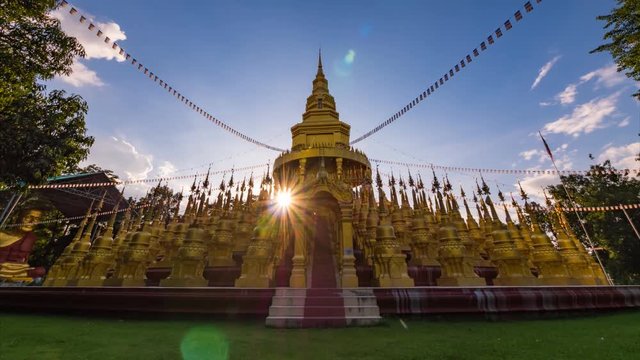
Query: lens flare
350	57
284	199
204	342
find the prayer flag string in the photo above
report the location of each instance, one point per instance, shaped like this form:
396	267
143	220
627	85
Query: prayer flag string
505	171
449	74
117	182
161	82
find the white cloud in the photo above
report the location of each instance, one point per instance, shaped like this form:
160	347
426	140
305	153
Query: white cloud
534	184
126	161
529	154
625	122
544	70
568	95
541	155
122	157
622	157
94	46
166	169
81	76
585	118
607	76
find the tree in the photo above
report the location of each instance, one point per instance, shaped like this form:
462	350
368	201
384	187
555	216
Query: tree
48	236
41	133
607	229
162	198
624	36
32	46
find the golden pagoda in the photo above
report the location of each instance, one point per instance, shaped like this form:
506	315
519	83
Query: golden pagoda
318	220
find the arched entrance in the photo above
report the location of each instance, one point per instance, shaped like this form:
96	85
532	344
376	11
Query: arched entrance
325	238
323	241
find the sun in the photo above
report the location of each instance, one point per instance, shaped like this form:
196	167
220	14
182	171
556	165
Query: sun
284	199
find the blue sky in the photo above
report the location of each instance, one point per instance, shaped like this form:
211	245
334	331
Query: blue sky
250	63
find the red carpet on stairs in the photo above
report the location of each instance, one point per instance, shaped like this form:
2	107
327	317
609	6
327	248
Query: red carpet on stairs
324	305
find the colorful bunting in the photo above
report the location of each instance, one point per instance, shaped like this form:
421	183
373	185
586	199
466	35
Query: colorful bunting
72	218
528	7
483	46
502	171
155	78
117	182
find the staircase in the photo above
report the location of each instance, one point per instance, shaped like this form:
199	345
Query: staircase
323	304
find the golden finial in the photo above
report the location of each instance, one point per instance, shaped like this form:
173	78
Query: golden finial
112	221
320	72
507	216
193	186
435	184
206	179
494	213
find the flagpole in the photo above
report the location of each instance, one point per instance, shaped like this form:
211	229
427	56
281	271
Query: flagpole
575	210
630	222
9	209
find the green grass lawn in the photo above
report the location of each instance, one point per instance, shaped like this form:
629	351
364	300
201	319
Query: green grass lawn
612	336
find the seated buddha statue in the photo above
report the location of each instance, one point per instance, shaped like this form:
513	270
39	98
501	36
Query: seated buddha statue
16	245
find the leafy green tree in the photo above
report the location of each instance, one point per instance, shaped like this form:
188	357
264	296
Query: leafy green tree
48	236
541	215
609	230
163	199
624	35
32	46
41	133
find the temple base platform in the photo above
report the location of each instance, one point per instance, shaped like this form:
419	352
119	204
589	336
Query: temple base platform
172	300
222	275
507	299
289	307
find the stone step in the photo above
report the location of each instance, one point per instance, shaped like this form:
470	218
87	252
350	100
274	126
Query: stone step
320	322
323	307
348	300
349	311
324	301
323	292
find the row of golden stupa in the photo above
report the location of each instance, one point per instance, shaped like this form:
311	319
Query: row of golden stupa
433	231
327	179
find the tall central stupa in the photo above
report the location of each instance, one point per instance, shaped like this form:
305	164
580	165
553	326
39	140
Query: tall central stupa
320	171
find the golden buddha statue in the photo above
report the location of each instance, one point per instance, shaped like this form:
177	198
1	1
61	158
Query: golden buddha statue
16	245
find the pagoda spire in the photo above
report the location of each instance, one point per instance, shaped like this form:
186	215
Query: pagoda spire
320	102
320	118
320	72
